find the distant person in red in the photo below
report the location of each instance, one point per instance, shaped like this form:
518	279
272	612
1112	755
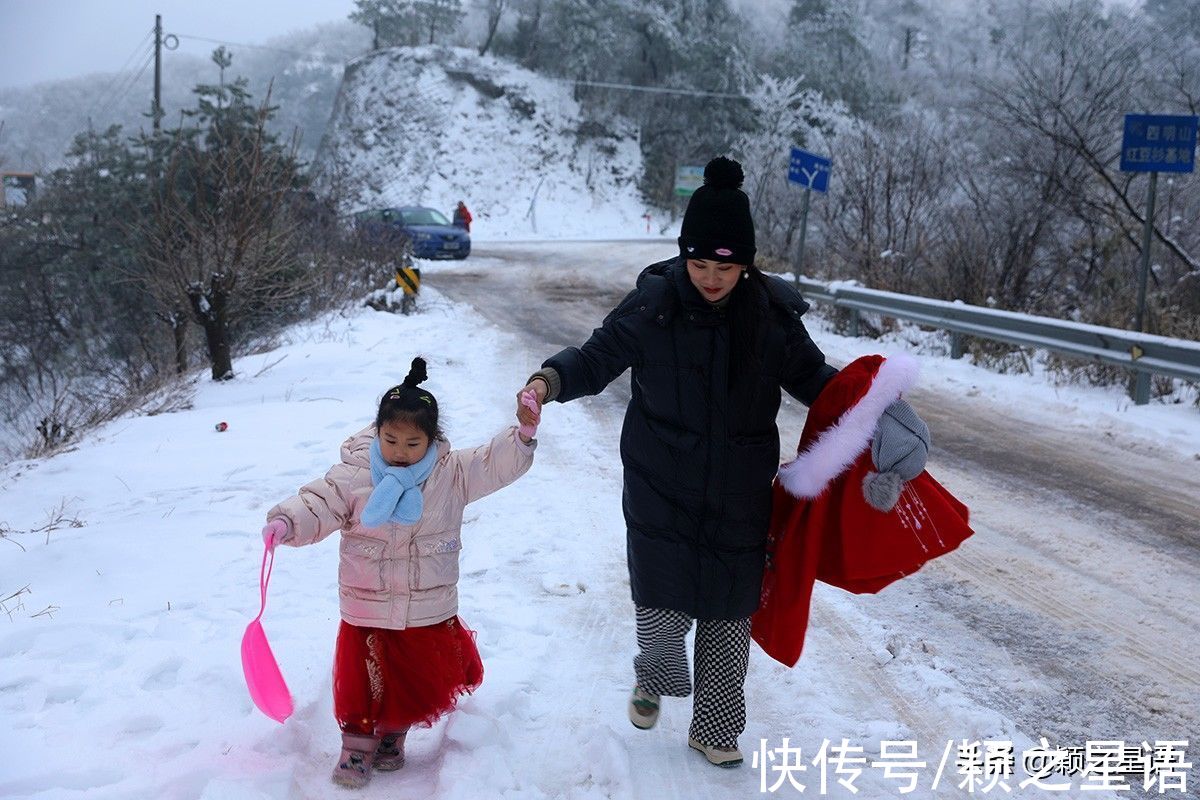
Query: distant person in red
462	217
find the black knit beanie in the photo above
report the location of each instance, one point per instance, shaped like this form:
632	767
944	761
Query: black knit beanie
717	224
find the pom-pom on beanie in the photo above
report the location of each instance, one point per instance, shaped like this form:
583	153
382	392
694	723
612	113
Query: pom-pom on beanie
717	224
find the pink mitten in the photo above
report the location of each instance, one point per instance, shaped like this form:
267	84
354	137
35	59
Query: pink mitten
274	532
529	400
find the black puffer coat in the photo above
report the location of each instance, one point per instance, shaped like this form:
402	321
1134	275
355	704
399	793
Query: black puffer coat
698	471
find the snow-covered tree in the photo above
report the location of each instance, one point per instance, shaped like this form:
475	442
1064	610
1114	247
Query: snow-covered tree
407	22
825	44
391	22
785	114
494	9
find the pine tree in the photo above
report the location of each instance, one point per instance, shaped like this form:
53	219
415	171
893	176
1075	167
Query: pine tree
438	17
392	22
407	22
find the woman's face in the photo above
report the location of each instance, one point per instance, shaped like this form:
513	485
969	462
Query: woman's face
402	443
713	279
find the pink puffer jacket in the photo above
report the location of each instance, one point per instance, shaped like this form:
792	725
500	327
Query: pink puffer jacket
400	576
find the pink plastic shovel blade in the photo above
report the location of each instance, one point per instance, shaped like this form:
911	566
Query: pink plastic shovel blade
267	687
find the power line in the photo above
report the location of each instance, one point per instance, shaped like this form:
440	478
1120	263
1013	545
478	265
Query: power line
126	86
120	77
117	87
132	55
241	44
440	92
136	78
599	84
652	89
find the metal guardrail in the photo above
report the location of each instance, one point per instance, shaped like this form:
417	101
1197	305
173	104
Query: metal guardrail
1143	353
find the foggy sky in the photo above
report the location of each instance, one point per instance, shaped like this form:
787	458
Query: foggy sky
43	40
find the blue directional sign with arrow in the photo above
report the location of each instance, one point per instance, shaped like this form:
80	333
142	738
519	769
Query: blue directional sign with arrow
809	170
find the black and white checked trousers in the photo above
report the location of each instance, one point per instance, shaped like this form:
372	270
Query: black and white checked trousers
721	654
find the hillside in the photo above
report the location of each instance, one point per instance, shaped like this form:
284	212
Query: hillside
433	125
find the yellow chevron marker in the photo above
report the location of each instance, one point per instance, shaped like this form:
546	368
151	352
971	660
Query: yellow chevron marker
409	279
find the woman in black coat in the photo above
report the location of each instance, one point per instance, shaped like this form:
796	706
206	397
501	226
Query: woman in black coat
711	341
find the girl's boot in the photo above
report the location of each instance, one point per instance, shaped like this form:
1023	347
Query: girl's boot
389	755
353	769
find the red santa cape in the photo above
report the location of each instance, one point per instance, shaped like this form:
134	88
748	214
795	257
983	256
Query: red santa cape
821	525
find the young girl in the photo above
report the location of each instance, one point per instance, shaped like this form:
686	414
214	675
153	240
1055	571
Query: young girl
403	655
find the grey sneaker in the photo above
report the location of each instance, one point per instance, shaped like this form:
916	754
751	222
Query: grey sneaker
643	708
389	756
353	769
720	756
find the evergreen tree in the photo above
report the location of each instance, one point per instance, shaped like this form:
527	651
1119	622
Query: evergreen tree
439	18
826	45
407	22
391	22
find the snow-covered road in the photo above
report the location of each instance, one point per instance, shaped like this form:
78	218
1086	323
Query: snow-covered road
1069	615
1071	612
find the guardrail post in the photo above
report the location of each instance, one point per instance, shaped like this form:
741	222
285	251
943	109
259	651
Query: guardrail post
1141	388
956	344
854	320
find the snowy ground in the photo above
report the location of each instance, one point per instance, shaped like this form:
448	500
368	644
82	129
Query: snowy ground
119	670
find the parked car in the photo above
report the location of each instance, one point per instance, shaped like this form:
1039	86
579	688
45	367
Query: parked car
431	234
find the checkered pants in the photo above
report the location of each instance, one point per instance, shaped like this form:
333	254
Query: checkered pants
721	654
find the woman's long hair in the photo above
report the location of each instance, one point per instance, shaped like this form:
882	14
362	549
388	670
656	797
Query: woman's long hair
745	335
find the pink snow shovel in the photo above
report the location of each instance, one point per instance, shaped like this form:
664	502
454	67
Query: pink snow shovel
267	688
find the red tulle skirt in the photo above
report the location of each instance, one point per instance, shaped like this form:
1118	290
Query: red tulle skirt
388	680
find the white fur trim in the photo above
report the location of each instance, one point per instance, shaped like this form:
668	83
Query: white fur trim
836	448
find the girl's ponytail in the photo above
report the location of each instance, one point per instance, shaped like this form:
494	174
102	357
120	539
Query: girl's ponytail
417	375
410	403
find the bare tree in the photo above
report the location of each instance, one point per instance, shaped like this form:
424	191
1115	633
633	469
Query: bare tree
495	10
883	221
1074	95
784	113
221	238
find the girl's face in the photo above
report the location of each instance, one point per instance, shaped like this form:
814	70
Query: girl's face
402	443
713	279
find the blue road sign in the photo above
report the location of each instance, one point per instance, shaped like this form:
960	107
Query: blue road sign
808	170
1157	143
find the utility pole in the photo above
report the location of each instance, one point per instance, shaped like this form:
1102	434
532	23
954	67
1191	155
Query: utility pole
158	40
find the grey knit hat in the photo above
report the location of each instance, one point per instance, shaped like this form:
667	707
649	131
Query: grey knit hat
899	451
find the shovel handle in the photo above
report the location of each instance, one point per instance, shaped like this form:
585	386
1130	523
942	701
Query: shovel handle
264	576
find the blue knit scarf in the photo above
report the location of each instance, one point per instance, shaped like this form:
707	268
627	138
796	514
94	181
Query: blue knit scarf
397	494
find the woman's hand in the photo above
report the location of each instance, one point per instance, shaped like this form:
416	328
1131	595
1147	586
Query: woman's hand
527	416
